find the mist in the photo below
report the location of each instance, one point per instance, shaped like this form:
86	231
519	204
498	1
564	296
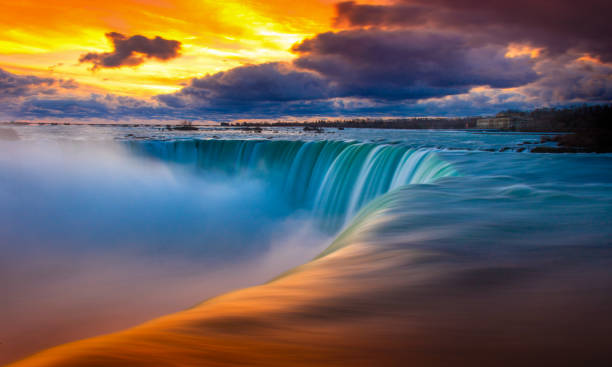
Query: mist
95	240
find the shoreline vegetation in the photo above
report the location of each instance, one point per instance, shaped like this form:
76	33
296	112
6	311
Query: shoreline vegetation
579	129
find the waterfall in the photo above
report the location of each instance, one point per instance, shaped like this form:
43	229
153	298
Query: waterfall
333	179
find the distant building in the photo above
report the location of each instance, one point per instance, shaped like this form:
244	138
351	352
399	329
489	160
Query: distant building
503	121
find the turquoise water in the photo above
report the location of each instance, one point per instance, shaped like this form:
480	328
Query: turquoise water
330	179
161	220
437	139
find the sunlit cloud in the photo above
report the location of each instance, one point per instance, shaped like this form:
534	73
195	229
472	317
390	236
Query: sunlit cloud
516	50
376	57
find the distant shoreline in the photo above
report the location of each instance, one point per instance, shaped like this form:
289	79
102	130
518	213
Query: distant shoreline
582	129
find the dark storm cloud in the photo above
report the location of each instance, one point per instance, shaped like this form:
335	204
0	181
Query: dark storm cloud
132	51
333	68
13	85
260	89
29	96
256	91
558	26
64	107
409	64
413	58
264	82
93	106
361	15
15	89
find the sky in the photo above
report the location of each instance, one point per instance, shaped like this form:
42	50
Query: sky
205	60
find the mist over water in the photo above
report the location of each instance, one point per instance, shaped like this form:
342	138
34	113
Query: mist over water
94	239
331	180
422	241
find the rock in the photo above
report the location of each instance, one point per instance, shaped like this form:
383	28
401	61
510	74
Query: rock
255	129
315	129
597	140
185	128
556	150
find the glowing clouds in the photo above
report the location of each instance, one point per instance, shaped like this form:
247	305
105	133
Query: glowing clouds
409	64
132	51
559	26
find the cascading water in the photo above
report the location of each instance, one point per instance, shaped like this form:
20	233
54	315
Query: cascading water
519	239
333	179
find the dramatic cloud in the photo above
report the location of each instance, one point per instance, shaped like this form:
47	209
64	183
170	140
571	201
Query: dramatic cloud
15	89
107	106
409	64
568	79
13	85
32	97
410	58
394	57
263	82
335	70
558	26
132	51
261	88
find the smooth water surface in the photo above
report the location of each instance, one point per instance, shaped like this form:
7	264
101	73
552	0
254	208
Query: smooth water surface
107	227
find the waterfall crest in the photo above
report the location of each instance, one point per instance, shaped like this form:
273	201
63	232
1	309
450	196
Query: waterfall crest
333	179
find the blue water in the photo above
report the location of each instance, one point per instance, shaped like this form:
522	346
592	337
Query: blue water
440	139
159	220
332	180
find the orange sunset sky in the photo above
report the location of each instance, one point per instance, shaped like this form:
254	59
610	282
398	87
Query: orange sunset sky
188	59
46	38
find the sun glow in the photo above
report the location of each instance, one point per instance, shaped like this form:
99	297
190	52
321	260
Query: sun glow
47	38
516	50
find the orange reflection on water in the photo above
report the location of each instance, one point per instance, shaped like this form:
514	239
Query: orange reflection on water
371	304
